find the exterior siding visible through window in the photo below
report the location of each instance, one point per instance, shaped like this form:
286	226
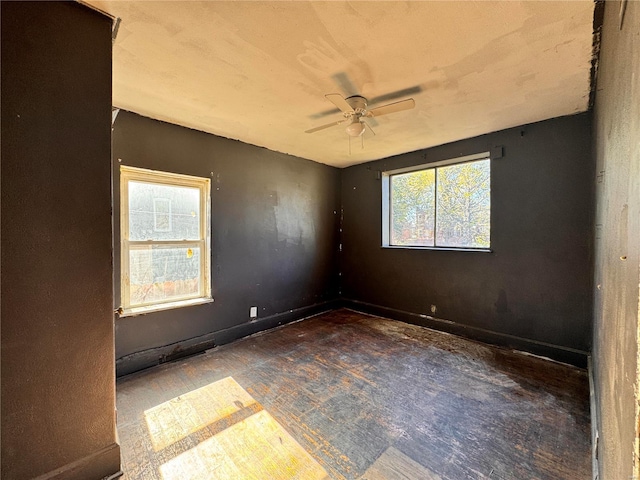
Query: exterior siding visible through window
447	205
165	240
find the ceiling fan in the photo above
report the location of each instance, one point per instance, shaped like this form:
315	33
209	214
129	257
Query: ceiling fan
354	110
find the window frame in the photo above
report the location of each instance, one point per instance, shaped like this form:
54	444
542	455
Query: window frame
128	174
387	208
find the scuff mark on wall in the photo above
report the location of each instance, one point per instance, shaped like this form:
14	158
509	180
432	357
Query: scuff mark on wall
294	222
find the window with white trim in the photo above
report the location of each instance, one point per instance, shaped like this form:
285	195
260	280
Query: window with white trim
442	205
165	241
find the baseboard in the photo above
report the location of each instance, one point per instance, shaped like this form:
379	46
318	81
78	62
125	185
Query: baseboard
555	352
192	346
244	330
595	437
99	465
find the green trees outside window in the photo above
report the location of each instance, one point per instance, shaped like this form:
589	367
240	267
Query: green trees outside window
447	206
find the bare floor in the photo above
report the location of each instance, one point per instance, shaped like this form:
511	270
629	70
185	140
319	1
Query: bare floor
347	395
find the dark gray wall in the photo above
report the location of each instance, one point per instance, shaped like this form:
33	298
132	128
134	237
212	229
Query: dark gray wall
274	238
58	382
534	290
617	266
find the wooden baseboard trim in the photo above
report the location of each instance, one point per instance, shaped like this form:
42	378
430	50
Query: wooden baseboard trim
104	463
262	324
562	354
192	346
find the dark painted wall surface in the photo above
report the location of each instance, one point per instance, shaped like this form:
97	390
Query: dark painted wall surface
58	382
617	266
274	238
536	284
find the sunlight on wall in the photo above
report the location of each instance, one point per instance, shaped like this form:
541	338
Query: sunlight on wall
236	438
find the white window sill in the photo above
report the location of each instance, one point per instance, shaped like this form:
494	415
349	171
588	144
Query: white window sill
132	312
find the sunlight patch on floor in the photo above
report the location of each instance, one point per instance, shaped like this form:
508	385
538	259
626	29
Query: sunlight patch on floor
241	439
176	419
257	447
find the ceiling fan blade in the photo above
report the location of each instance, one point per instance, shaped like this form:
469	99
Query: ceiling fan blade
339	101
345	84
369	127
407	104
387	97
322	127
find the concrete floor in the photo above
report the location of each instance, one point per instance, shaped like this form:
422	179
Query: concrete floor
347	395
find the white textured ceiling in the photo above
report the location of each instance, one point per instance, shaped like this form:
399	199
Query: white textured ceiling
258	71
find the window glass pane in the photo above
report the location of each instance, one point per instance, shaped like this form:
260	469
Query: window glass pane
464	205
160	274
163	212
412	208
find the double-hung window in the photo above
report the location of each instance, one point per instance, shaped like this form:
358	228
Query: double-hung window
165	240
442	205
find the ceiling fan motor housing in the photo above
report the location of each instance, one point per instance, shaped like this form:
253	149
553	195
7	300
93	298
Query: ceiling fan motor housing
358	103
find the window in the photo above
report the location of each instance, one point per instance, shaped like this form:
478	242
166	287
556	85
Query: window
165	243
443	205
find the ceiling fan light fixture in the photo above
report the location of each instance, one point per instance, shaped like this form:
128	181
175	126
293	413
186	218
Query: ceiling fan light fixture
355	128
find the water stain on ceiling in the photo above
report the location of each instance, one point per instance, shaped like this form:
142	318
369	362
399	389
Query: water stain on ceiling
258	71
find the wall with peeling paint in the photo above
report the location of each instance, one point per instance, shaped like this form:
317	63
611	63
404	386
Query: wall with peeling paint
617	247
533	291
58	398
274	236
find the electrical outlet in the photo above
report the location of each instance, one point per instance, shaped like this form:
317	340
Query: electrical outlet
253	312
